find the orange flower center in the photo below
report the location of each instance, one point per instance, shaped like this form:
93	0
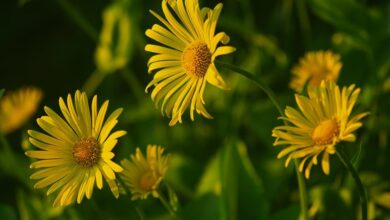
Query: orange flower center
321	73
86	152
196	59
148	180
325	132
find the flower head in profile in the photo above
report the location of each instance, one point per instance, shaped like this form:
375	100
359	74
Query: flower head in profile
143	175
315	67
17	107
75	152
323	120
184	58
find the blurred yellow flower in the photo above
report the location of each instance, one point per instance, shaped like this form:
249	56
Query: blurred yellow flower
323	121
17	107
185	60
114	48
143	175
315	67
76	151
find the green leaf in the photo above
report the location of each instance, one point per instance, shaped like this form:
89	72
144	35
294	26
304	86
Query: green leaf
228	173
32	206
232	177
291	212
203	207
181	174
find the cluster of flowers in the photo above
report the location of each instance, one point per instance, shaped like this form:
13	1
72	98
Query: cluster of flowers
75	152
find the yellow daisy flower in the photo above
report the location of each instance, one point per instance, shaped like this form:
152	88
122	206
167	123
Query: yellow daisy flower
76	152
322	122
315	67
143	175
17	107
185	60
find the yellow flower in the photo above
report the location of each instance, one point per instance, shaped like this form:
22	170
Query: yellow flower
76	152
185	60
315	67
17	107
322	122
143	175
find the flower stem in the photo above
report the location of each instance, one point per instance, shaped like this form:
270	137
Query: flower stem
358	182
302	192
167	205
133	84
271	95
93	82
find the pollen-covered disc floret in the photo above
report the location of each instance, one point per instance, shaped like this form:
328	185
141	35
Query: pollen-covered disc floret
75	152
196	59
315	67
184	58
86	152
16	107
143	175
323	120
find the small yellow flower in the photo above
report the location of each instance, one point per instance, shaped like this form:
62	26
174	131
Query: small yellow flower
322	122
143	175
315	67
17	107
76	152
184	63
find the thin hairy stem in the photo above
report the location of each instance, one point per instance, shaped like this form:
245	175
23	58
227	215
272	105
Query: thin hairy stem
359	184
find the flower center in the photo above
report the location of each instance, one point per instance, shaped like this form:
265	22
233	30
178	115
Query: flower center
319	75
196	59
325	131
148	180
86	152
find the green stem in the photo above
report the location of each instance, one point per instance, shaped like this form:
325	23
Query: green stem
271	95
302	191
133	83
79	19
93	82
358	182
167	205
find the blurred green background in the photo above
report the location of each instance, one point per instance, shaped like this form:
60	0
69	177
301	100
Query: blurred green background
225	168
